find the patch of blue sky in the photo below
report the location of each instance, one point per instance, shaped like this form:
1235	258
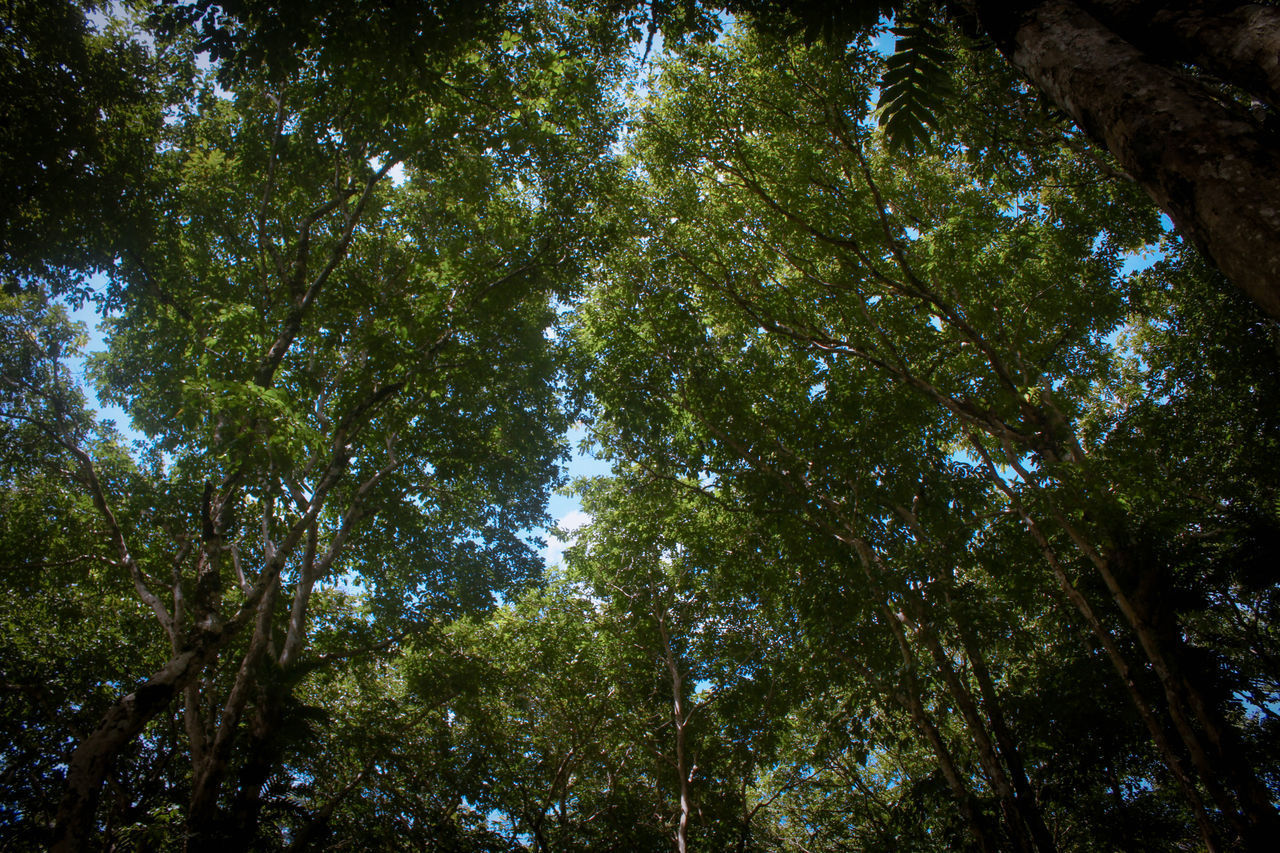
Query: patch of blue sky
565	508
396	173
884	40
883	43
87	314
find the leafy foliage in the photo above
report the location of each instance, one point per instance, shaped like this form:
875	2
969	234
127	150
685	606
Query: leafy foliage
931	524
80	108
916	84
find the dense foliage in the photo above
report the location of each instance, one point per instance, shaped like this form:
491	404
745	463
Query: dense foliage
943	508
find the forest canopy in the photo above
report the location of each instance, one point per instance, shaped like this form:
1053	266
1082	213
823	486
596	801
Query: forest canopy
930	349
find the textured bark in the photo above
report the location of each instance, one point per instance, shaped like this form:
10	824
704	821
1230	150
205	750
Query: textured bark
124	722
1212	169
1238	43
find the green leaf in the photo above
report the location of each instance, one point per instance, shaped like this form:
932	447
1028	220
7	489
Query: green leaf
915	83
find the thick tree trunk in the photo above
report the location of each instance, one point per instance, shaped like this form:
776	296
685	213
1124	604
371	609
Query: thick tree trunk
1236	42
261	756
1212	169
124	722
205	828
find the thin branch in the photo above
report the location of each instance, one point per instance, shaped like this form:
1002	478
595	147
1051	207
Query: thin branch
293	322
298	612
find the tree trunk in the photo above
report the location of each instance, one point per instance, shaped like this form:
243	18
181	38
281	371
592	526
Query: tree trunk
908	695
1238	43
205	828
127	718
1008	745
124	722
1013	809
1212	169
1127	676
1210	749
261	756
680	719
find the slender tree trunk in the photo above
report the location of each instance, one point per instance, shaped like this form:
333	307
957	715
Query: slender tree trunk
908	695
1005	740
1158	735
1027	807
1211	750
1212	169
1251	814
1020	808
680	719
1017	821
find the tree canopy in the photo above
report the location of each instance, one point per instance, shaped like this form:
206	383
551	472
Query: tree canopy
938	396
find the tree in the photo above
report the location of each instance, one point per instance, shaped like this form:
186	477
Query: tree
1202	152
796	302
702	661
80	107
931	524
338	373
56	684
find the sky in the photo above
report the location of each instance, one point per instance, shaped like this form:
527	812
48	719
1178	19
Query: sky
87	315
567	509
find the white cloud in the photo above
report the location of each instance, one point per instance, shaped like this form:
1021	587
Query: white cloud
575	519
569	524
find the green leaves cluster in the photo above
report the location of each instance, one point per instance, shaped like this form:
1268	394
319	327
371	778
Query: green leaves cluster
931	525
916	84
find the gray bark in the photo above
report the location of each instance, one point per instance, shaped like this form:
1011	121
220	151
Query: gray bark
1205	163
124	722
1236	42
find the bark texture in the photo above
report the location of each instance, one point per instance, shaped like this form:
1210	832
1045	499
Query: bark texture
1207	164
124	722
1239	43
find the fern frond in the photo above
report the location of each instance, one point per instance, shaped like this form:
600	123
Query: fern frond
915	85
